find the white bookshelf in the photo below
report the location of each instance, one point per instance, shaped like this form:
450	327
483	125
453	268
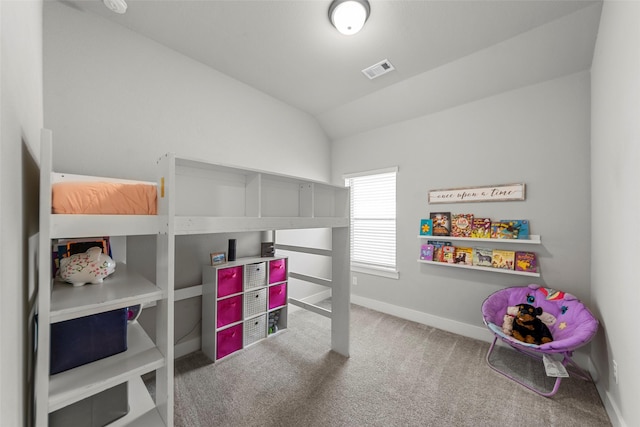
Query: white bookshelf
59	302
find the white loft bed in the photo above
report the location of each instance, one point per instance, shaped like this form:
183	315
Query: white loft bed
253	201
261	201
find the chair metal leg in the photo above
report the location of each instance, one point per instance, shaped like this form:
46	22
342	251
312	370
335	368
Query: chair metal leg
556	385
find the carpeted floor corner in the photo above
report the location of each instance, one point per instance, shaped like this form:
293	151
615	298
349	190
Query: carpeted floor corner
400	373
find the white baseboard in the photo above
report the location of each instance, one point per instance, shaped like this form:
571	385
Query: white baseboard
187	347
610	406
453	326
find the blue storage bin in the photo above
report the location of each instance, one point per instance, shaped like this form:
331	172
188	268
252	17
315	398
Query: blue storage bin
86	339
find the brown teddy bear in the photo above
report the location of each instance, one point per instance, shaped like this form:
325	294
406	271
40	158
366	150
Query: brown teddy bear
527	327
507	321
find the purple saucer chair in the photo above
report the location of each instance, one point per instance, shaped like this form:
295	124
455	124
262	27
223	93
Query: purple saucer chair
574	327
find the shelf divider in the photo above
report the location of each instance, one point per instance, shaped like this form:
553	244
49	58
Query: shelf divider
121	289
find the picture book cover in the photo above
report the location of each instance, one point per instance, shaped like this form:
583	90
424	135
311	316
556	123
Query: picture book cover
482	257
58	251
481	228
463	256
448	254
441	222
521	225
426	227
461	225
501	258
437	249
426	252
526	261
503	230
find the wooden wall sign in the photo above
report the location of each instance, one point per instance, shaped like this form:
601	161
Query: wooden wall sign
491	193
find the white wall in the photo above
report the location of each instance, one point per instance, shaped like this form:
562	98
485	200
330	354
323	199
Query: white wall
117	101
21	115
615	153
538	135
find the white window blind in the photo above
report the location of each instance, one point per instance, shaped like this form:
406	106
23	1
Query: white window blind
373	219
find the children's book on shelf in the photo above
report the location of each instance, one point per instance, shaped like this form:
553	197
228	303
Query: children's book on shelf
448	254
463	256
441	223
426	227
503	259
482	257
481	228
521	225
526	261
461	225
503	230
426	252
437	249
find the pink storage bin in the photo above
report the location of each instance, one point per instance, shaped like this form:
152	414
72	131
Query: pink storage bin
277	295
229	311
228	341
277	270
229	281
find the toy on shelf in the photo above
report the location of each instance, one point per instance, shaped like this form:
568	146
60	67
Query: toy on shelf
91	266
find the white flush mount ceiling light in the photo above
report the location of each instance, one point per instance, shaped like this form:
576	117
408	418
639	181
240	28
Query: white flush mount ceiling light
117	6
349	16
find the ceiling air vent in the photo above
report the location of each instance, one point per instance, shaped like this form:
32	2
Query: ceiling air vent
376	70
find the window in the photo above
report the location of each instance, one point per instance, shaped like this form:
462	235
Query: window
373	221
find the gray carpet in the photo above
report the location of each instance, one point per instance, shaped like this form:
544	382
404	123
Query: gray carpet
400	373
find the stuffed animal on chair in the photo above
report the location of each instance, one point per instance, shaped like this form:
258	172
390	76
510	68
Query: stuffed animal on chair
507	321
528	328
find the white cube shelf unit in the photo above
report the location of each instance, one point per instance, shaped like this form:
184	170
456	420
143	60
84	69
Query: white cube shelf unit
243	302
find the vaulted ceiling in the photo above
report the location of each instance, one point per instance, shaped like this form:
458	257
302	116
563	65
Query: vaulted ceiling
445	52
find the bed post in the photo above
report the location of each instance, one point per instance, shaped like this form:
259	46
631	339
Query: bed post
341	291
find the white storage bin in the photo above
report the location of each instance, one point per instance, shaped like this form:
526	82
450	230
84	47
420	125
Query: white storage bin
255	302
255	275
255	329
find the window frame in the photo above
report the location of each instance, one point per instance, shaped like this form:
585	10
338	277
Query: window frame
367	268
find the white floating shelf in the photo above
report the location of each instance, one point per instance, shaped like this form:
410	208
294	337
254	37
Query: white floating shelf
533	239
475	267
